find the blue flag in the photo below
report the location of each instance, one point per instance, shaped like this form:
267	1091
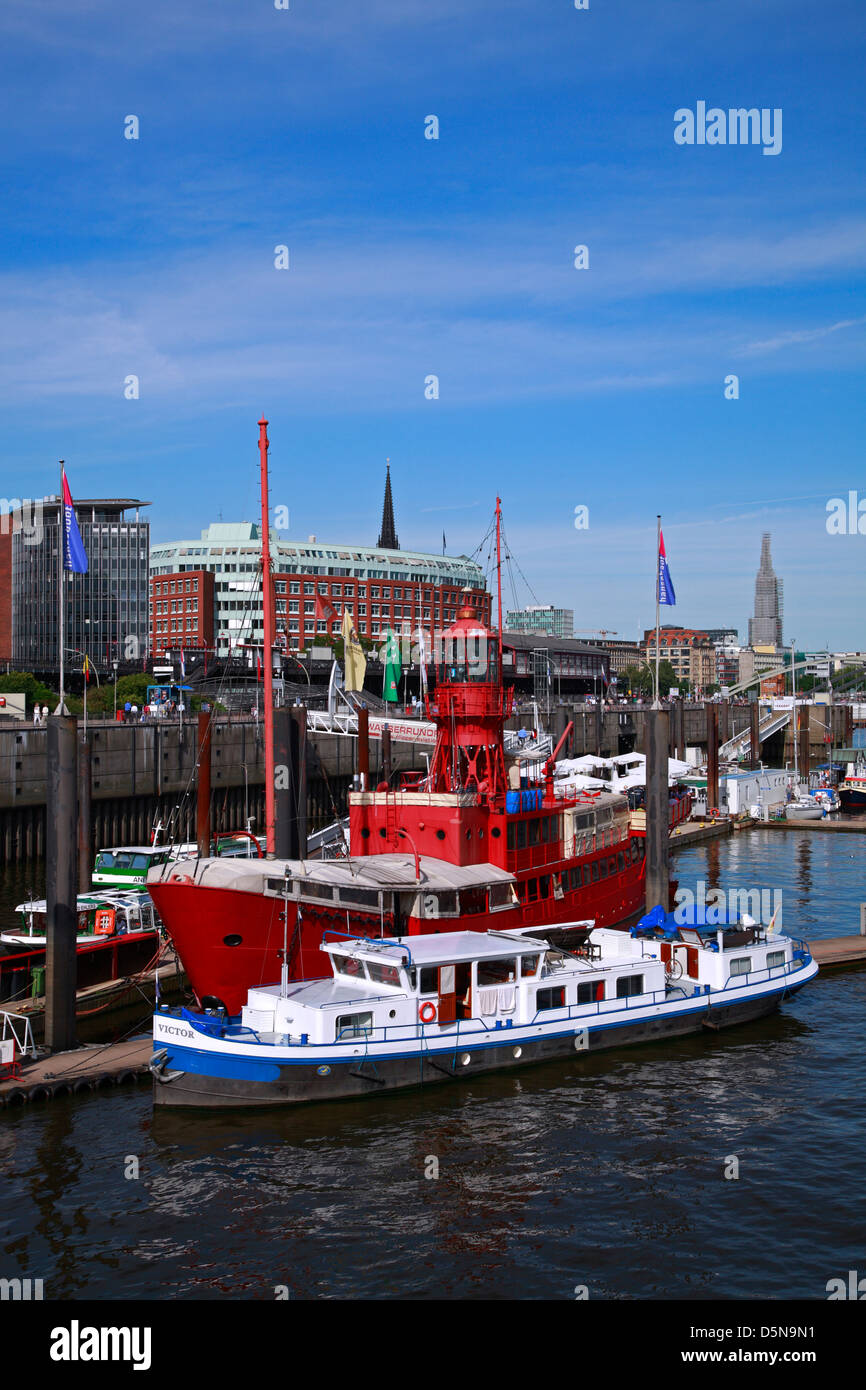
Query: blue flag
666	588
74	554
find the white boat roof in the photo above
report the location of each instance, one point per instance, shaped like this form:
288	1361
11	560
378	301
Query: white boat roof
133	849
440	947
372	871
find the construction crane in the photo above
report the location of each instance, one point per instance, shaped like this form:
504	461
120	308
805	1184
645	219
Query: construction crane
598	631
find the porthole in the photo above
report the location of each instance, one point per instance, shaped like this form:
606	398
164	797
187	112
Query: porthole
496	832
392	1013
465	1059
517	1051
382	831
365	832
440	834
232	940
468	834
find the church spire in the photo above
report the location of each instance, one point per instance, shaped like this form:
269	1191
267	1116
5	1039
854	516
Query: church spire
388	535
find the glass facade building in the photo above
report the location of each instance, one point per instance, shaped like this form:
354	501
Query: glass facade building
106	609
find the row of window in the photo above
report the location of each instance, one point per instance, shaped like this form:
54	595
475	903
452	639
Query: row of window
536	889
168	586
589	992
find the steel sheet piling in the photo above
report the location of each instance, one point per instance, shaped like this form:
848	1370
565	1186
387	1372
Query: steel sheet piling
61	882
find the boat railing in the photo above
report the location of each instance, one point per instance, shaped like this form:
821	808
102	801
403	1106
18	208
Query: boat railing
773	972
18	1026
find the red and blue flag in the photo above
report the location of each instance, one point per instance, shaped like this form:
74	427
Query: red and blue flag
666	588
74	554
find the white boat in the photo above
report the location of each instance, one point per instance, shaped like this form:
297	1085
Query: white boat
804	808
430	1009
100	915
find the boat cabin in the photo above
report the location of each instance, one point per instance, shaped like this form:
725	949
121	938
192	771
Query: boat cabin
469	982
129	865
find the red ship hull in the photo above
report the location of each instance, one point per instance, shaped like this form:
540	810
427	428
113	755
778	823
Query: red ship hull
205	924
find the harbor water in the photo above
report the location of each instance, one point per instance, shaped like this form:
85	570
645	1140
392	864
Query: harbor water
612	1175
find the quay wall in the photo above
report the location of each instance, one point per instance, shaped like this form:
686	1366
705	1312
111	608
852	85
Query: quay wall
142	773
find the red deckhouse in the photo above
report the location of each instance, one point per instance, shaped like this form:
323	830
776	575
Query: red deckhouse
471	847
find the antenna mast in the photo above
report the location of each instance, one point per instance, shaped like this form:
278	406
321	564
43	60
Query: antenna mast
268	614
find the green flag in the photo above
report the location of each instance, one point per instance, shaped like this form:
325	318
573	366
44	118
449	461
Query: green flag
393	668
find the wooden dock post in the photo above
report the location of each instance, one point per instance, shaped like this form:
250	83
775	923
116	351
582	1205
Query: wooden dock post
657	810
203	814
61	969
712	713
85	863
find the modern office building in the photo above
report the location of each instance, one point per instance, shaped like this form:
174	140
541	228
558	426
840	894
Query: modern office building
541	617
765	628
105	610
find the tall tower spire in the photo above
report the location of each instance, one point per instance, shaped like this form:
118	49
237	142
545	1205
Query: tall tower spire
388	535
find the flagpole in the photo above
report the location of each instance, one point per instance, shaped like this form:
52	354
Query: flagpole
657	702
61	516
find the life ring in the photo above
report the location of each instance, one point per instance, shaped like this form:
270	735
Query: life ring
424	1016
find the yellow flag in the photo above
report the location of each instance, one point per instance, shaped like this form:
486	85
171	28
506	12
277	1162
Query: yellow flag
355	661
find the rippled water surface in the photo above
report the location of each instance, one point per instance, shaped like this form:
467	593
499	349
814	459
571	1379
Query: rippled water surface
606	1172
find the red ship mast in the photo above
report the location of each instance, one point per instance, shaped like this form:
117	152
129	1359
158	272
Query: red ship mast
268	613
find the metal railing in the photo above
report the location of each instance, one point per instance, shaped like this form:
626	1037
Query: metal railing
23	1039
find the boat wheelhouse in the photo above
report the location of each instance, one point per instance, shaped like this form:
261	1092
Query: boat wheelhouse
128	865
427	1009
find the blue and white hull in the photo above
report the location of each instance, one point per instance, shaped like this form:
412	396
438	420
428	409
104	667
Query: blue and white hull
207	1062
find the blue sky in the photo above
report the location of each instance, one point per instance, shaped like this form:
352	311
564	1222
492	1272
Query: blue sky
454	257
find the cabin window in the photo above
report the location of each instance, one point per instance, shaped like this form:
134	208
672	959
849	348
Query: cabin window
497	972
317	890
634	850
533	832
382	973
590	992
447	905
353	1026
473	900
585	873
532	887
611	866
628	985
602	867
511	835
553	998
620	861
544	886
529	965
521	834
358	897
351	968
741	965
775	958
595	871
545	828
563	881
429	980
521	892
500	895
